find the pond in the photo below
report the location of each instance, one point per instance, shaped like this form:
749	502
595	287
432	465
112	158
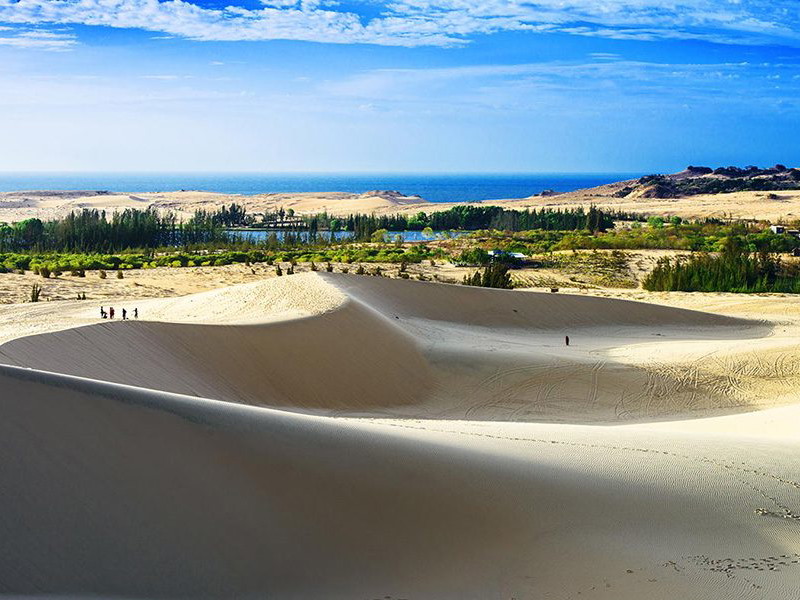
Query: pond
261	235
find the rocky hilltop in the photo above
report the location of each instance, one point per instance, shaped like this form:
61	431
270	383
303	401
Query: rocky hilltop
705	180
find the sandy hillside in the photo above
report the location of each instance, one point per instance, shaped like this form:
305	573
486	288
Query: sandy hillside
695	193
16	206
402	439
785	207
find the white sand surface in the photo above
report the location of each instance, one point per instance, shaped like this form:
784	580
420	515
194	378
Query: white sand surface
332	436
16	206
782	206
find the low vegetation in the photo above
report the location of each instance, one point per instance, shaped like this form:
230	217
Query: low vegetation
36	292
76	263
606	269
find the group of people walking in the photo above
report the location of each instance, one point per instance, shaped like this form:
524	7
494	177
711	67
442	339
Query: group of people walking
110	313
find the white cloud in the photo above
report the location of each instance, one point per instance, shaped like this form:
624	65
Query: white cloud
428	22
604	56
38	40
280	3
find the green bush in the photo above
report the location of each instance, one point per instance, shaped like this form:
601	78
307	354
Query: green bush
473	257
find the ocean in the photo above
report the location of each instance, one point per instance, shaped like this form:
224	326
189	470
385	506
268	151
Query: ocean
434	188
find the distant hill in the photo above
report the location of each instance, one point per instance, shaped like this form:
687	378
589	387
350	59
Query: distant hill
705	180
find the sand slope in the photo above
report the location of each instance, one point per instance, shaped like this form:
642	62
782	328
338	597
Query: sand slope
115	486
122	491
307	363
390	347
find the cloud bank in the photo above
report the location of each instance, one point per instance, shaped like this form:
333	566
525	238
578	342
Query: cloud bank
37	39
424	22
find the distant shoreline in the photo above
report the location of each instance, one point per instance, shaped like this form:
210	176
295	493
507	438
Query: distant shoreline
430	187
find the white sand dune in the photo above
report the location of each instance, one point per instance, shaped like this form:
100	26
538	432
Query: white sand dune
379	347
171	459
16	206
775	207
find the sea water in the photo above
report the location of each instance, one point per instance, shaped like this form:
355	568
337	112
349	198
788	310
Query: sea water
431	187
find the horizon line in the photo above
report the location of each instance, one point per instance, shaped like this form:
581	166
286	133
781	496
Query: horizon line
329	173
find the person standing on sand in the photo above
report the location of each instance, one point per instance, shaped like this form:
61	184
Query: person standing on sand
102	313
566	339
110	312
135	313
124	314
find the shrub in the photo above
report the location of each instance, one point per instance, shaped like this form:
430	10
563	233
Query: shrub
44	272
102	274
36	291
473	257
119	275
495	275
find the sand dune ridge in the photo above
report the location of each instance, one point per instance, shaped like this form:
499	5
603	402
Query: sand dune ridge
168	457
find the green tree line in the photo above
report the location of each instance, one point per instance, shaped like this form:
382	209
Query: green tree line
472	218
735	269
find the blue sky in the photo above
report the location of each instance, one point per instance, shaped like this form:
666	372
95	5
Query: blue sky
404	86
